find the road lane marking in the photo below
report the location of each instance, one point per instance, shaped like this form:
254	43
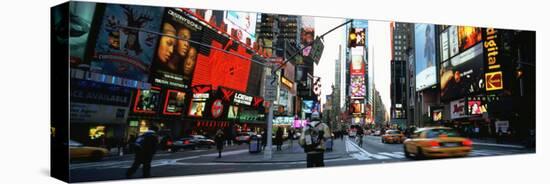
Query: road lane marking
391	155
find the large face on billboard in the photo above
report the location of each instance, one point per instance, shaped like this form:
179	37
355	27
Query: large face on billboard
198	104
175	59
468	36
80	22
463	74
126	52
426	75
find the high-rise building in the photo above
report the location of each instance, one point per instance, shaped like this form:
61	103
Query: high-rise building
401	36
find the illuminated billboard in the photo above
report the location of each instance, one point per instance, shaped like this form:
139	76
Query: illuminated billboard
174	103
124	52
358	87
468	36
175	59
463	74
426	75
307	33
242	25
147	100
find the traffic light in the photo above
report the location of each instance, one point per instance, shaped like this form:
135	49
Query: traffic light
352	38
519	72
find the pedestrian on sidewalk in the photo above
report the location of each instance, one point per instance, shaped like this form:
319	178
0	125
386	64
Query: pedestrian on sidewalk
219	139
313	140
279	138
145	147
264	139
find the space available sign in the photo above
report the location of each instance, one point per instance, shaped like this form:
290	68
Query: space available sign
105	114
90	92
242	99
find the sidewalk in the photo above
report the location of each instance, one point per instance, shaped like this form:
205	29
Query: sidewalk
288	153
493	142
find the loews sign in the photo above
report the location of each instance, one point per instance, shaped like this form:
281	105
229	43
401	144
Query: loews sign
242	99
493	76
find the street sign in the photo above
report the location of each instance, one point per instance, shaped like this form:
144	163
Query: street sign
317	50
270	88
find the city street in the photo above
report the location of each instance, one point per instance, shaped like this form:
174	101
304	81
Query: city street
237	159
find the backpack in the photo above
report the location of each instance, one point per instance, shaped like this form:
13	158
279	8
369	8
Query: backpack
312	138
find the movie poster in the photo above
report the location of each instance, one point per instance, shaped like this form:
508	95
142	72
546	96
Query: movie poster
175	59
81	15
175	102
122	51
147	100
198	104
468	36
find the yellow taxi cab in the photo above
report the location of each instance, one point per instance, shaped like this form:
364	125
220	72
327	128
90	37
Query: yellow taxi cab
436	142
79	151
393	136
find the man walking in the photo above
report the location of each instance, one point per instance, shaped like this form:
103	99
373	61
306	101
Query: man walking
146	146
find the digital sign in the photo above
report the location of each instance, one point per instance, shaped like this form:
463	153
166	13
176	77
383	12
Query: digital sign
463	74
493	77
233	112
468	36
426	75
358	87
198	104
242	24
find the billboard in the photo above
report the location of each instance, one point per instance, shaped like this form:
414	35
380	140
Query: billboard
219	68
444	45
426	75
453	41
358	87
357	65
458	108
307	33
307	106
242	25
175	59
468	36
357	37
463	75
124	52
233	112
198	104
357	107
147	100
80	22
174	103
477	105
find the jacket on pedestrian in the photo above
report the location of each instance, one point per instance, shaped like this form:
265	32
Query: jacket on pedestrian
146	145
219	139
314	136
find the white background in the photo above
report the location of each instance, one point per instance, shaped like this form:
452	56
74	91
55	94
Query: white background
25	86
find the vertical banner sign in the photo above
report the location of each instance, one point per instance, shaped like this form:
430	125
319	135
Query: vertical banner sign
493	76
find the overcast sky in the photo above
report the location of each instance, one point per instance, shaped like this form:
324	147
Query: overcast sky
379	48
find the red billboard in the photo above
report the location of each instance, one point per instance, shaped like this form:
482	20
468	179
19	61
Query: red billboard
218	68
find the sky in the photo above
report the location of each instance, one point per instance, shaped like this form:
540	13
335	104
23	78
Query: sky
379	47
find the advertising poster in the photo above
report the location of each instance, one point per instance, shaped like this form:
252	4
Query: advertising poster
458	108
106	114
468	36
213	17
307	33
175	59
477	105
444	45
357	107
123	52
175	102
81	15
242	24
217	108
147	100
357	37
436	113
198	104
453	41
463	75
213	67
358	87
233	112
86	91
426	75
357	65
307	106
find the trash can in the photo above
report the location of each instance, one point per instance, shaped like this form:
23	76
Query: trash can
254	146
328	145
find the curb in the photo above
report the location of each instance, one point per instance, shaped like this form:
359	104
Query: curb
500	145
275	161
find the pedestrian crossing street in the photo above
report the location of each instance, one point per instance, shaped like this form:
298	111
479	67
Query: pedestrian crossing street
359	153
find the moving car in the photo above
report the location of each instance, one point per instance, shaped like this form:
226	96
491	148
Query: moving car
79	151
182	144
202	141
436	142
393	136
243	137
377	133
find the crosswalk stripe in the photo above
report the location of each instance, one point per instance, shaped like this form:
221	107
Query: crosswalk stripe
380	157
399	153
392	155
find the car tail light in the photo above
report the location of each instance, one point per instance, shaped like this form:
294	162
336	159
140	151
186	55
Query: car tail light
434	143
169	143
467	142
186	142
